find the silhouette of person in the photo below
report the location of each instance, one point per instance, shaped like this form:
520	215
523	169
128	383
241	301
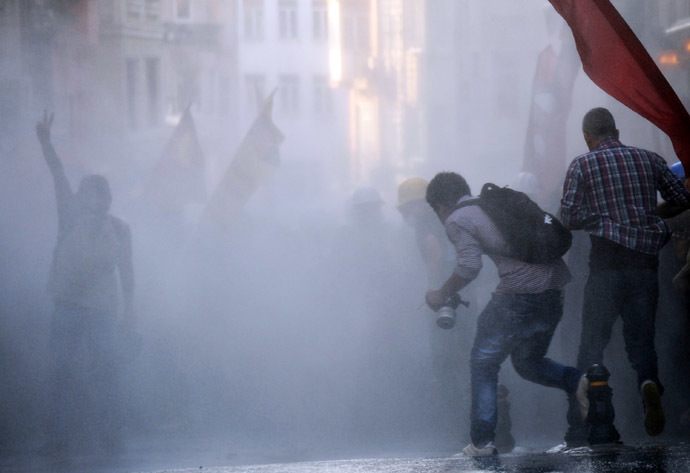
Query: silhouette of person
611	193
92	249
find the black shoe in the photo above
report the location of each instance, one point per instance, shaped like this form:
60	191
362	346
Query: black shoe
654	420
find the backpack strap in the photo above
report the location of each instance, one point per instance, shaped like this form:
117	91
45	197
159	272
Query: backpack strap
476	201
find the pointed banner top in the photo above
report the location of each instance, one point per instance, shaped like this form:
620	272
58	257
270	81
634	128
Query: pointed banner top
267	107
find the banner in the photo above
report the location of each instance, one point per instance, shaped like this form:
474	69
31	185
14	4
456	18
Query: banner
545	144
254	162
178	177
615	59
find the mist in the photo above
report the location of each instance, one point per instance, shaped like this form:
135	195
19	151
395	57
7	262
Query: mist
291	328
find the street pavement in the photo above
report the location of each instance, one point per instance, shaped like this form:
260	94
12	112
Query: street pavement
652	459
648	458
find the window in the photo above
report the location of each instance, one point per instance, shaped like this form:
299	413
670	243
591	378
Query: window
287	19
107	13
289	95
132	72
152	89
254	91
153	10
134	10
183	9
253	19
319	20
355	33
323	104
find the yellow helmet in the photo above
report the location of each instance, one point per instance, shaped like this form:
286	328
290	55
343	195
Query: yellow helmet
411	189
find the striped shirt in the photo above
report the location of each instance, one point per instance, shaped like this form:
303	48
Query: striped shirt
473	233
611	193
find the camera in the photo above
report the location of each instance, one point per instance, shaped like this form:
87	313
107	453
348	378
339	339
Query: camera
446	314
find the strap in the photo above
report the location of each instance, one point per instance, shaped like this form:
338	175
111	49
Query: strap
475	201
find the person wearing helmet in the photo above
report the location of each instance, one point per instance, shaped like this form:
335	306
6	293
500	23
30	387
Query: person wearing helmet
429	233
366	207
364	277
446	360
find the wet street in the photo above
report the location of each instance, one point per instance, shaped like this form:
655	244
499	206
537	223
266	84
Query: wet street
659	457
647	459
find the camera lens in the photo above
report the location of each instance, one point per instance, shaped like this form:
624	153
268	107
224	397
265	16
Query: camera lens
446	317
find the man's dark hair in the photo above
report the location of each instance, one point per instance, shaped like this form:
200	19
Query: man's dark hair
446	188
599	123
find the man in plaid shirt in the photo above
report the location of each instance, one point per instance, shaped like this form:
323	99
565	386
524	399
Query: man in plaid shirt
611	193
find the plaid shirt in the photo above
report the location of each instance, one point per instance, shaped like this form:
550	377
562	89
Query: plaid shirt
611	193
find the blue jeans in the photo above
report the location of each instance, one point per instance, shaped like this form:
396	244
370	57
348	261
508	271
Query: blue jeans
519	325
632	294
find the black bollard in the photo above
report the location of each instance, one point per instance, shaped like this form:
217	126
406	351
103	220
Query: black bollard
601	413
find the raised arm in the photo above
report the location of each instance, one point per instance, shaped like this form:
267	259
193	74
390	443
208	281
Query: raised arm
63	191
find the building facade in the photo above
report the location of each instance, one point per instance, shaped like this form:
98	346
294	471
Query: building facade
283	50
117	74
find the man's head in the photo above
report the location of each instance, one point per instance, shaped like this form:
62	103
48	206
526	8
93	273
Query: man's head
444	191
94	194
597	125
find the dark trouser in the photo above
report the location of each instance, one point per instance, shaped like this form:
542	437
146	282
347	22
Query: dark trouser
631	294
84	379
519	325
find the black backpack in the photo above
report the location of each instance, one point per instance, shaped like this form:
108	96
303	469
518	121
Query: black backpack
534	236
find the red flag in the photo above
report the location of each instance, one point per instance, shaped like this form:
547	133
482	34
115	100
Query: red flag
615	59
178	177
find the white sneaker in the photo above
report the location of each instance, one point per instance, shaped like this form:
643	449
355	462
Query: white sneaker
581	396
472	451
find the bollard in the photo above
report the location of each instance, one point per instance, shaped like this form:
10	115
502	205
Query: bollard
601	413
